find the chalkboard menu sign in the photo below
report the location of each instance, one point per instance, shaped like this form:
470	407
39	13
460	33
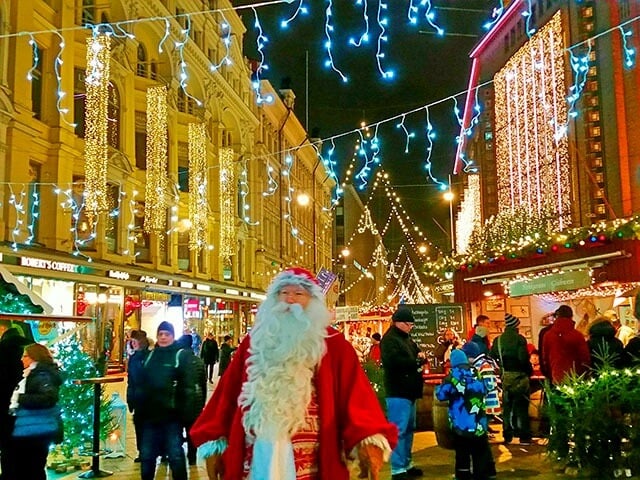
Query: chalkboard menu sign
432	320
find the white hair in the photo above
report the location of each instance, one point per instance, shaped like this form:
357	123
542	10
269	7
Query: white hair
286	346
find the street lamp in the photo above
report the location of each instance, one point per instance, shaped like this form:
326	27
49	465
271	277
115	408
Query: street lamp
449	197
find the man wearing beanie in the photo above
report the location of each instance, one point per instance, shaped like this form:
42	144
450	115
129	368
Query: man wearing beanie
294	401
465	392
510	350
402	361
167	390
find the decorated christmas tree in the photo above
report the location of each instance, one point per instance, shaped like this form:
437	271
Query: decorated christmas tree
77	400
12	301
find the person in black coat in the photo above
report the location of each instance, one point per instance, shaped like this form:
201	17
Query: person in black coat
12	345
199	377
604	346
38	389
225	354
140	345
210	354
402	362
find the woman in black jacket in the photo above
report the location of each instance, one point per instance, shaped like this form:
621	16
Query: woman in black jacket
38	389
140	344
604	346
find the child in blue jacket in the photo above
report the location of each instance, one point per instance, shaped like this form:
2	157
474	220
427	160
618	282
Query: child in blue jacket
465	392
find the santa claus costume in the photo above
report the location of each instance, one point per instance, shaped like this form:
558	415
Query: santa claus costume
294	403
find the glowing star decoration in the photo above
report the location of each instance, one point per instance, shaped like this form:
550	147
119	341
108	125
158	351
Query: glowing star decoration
580	68
527	14
198	187
272	184
328	44
225	37
96	124
35	57
182	64
301	9
408	135
364	38
496	15
411	13
227	205
60	93
629	51
383	21
243	185
286	174
532	162
156	189
330	167
261	41
430	16
18	204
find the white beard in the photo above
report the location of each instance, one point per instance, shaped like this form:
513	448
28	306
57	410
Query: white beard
287	344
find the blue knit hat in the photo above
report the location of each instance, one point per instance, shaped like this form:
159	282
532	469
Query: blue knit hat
458	358
471	349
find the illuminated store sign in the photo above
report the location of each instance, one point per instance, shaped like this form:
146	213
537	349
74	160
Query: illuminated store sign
49	264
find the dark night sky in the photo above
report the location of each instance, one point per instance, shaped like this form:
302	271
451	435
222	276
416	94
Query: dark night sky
427	68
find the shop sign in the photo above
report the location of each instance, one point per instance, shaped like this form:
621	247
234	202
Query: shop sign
556	282
203	288
49	264
186	284
443	287
344	314
118	274
148	279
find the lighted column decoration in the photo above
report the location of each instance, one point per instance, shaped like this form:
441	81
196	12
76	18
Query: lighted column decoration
155	216
227	205
96	118
531	118
469	215
198	186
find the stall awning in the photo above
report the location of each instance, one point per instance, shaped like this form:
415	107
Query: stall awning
615	261
10	279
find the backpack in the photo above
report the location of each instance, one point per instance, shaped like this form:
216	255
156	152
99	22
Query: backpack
161	385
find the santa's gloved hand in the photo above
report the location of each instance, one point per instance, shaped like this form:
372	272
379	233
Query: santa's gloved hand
371	459
215	470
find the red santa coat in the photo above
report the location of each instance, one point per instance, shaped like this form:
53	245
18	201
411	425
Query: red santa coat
348	410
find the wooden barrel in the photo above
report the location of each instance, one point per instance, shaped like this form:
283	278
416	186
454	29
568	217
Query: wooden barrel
444	435
424	417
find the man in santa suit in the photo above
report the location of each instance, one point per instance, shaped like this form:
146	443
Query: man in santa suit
294	403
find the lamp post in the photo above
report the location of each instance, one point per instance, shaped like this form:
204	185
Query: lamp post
449	196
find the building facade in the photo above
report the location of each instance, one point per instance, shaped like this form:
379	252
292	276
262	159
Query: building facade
190	227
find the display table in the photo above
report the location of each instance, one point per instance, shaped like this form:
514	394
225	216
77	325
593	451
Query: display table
97	382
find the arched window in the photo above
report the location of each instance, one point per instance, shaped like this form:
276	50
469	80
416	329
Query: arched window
113	117
142	69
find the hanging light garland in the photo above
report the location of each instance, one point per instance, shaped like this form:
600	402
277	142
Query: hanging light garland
198	186
155	215
227	196
96	121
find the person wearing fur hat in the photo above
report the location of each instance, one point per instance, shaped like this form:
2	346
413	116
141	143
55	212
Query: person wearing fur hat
402	361
510	351
294	401
465	391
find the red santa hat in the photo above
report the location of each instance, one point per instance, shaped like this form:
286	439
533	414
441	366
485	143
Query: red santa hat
295	276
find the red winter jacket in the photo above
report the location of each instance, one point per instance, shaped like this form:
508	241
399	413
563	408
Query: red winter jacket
565	350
